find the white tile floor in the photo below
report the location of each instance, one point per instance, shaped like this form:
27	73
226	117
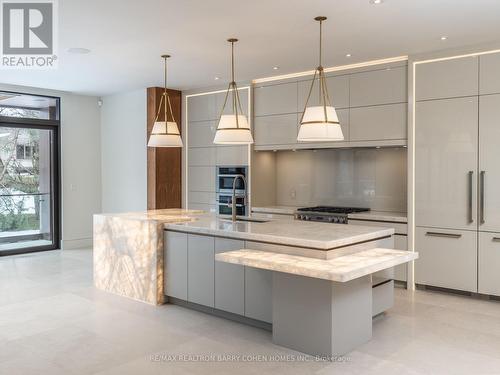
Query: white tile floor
52	321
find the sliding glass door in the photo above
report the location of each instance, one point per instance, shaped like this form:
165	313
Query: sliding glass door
29	175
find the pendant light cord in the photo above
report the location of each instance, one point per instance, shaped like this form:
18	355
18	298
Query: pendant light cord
320	41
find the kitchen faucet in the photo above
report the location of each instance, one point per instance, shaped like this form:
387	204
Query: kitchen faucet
233	198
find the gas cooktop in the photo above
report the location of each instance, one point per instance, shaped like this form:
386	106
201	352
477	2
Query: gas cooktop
329	214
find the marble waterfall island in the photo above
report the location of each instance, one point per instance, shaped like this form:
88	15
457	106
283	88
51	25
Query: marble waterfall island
128	252
310	282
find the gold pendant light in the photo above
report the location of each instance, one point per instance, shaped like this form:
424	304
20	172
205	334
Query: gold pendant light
320	123
233	129
165	133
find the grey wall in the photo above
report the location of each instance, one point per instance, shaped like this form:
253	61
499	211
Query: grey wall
368	177
124	152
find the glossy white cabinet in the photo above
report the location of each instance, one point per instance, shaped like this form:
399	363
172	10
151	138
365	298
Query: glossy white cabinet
201	260
489	73
380	122
176	265
446	134
489	263
447	258
338	90
489	159
276	130
275	99
229	279
447	78
382	86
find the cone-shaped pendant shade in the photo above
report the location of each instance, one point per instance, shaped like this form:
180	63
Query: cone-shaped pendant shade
233	129
320	123
165	133
160	137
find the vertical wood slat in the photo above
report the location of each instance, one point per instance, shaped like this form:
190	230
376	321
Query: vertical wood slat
163	163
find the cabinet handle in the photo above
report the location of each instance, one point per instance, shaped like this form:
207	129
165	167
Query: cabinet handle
439	234
469	211
481	197
496	239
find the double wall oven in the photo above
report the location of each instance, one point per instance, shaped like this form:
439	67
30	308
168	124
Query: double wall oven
224	188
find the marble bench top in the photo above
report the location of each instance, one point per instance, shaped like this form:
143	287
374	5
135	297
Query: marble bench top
341	269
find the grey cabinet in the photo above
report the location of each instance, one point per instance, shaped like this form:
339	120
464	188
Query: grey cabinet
219	102
201	108
201	270
201	134
202	156
382	122
176	265
447	78
376	87
229	279
447	258
446	135
231	155
338	90
489	73
275	130
201	178
275	99
488	263
489	157
400	243
258	291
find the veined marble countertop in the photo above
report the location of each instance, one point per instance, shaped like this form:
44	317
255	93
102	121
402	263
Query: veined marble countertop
398	217
341	269
167	215
280	210
315	235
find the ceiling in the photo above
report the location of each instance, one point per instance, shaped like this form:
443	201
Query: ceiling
127	37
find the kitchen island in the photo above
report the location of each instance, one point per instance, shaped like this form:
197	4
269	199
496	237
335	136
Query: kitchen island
202	261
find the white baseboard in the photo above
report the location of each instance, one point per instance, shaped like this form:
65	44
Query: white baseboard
80	243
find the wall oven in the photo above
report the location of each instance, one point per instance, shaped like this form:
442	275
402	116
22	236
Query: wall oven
224	187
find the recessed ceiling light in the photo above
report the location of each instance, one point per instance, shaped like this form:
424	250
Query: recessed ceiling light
348	55
376	2
78	50
216	78
276	67
444	37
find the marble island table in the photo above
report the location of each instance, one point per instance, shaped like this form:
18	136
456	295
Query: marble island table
150	256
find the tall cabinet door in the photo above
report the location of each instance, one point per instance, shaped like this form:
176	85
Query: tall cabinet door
488	261
446	163
489	157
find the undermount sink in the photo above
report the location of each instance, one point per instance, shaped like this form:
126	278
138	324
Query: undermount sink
248	219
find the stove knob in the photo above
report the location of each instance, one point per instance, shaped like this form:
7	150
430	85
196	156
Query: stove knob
307	217
335	219
331	219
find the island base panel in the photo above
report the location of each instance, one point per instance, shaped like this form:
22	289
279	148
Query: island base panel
321	317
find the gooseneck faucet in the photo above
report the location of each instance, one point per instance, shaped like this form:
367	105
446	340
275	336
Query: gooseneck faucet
233	198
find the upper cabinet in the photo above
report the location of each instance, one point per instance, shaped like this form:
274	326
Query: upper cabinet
202	108
275	99
377	87
371	106
219	102
338	90
447	79
489	74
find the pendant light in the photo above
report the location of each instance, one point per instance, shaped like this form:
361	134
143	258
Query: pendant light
233	129
165	133
320	123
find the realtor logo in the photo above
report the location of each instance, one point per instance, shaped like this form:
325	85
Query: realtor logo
28	34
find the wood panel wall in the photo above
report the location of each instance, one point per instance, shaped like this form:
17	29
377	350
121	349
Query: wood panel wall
164	163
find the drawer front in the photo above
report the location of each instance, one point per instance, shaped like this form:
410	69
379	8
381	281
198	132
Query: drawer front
399	228
201	269
229	279
382	297
489	263
176	265
447	258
